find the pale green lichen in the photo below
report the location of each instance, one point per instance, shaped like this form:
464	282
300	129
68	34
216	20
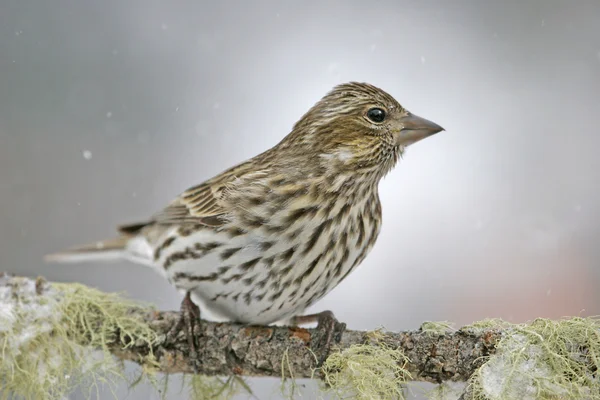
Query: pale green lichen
367	371
211	388
486	324
52	343
543	360
436	328
288	385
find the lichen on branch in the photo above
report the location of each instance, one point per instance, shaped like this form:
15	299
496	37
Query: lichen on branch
56	337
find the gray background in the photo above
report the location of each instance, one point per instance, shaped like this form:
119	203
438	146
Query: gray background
496	217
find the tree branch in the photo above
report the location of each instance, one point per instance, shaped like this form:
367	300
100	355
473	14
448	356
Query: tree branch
228	348
53	324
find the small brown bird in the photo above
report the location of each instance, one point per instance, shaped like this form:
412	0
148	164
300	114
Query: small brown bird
267	238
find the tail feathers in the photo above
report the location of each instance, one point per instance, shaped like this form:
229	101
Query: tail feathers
111	249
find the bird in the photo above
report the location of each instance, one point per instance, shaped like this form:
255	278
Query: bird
262	241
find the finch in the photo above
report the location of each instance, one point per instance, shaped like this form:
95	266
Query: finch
265	239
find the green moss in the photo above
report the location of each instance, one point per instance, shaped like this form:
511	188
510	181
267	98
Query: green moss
369	371
53	343
543	360
436	328
489	323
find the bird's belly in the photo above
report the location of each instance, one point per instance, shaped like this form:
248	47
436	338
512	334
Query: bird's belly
265	293
259	278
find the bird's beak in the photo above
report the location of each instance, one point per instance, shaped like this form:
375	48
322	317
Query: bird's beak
415	128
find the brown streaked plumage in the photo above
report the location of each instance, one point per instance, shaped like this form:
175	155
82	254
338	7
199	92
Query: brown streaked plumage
265	239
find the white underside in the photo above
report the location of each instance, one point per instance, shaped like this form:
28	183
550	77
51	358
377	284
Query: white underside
207	294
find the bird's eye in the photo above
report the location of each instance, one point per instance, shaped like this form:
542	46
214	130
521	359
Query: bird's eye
376	115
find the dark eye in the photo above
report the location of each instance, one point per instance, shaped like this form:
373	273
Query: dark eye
376	115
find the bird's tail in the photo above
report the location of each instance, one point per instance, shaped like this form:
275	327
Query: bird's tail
111	249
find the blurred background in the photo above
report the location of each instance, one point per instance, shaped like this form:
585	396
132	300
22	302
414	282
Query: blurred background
109	109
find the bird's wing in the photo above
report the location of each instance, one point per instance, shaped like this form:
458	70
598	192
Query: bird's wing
204	204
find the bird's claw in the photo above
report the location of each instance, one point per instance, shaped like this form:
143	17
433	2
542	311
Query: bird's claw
329	328
190	316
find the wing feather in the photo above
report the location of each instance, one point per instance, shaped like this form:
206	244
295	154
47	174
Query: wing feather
198	205
207	203
204	204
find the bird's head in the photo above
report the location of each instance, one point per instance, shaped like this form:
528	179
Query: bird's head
358	127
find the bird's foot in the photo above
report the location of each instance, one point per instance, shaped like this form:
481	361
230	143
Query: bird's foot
190	316
328	326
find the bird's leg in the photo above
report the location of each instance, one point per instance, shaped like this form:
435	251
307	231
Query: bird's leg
330	328
190	315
